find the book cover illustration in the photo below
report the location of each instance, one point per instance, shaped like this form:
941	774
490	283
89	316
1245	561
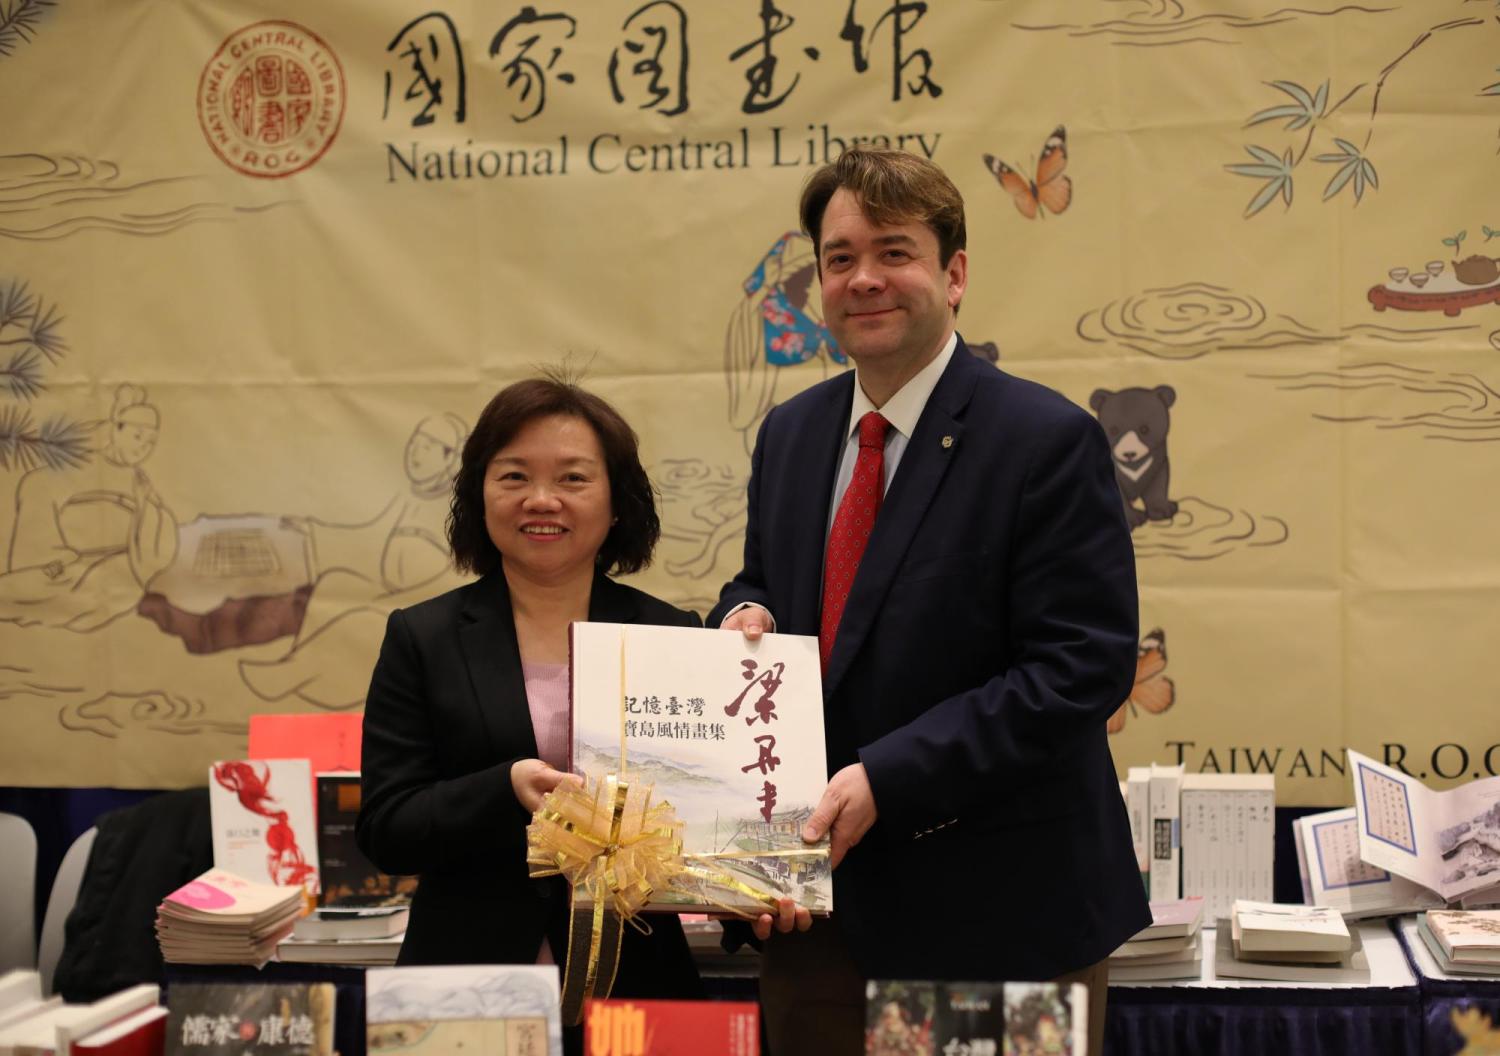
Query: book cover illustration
620	1027
729	732
918	1018
266	1019
498	1010
262	817
346	876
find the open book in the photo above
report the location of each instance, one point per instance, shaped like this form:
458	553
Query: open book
1447	841
1336	876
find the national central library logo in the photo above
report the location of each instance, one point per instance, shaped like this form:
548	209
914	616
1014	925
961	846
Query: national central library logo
271	99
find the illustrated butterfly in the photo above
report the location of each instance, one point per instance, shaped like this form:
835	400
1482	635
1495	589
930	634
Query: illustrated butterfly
1051	189
1153	690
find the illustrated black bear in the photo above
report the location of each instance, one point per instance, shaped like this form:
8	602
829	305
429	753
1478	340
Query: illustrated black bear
1136	422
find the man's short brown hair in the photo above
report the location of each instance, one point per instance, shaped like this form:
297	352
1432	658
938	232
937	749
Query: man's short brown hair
893	187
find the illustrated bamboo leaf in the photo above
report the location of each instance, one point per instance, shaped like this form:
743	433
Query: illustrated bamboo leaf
1349	149
1267	194
1261	153
1359	183
1489	232
1332	159
1286	189
1340	178
1297	92
1492	89
1320	100
1255	170
1276	113
1369	171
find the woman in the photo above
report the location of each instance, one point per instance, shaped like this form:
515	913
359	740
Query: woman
466	721
363	572
89	538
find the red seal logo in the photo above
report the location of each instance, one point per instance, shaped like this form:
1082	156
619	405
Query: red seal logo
271	99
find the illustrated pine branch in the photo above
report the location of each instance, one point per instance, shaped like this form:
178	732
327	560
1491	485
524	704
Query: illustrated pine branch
21	377
18	21
57	444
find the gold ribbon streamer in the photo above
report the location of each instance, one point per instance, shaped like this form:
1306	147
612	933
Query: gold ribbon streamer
617	848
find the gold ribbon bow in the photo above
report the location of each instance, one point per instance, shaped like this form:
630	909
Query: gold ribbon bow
616	848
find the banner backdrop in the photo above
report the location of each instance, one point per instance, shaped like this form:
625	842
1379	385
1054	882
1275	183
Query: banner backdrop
261	265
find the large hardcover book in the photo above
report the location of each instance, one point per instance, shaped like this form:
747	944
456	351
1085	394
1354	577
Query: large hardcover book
347	877
729	732
1166	832
1446	841
237	1019
497	1010
1228	838
623	1027
1335	875
919	1018
262	816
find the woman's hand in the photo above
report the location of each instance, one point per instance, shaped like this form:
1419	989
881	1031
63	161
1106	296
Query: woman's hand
532	779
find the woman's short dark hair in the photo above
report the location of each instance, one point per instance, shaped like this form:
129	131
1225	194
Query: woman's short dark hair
633	535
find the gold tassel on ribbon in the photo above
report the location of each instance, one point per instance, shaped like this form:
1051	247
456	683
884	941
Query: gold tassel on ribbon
616	848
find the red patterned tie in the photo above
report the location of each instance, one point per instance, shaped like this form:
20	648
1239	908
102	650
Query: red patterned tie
852	525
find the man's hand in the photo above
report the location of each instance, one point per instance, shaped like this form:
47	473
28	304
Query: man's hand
789	915
754	621
847	810
532	779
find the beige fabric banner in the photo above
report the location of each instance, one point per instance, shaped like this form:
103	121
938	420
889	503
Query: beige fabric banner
261	265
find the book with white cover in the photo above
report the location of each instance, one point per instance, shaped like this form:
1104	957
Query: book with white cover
1228	838
1181	916
1138	807
1265	926
20	984
1446	841
26	1008
480	1008
263	820
1336	876
729	732
1165	832
1467	936
1355	969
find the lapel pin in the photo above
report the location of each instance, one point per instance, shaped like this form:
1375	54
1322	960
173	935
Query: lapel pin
947	441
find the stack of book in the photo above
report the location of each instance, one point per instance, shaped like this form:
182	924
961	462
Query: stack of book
1170	948
1289	943
369	935
128	1023
480	1008
1463	942
221	918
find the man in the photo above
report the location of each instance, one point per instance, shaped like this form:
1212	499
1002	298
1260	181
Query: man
968	570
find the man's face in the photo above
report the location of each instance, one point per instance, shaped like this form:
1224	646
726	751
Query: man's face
887	298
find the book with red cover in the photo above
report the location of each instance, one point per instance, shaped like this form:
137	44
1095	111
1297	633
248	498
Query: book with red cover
621	1027
142	1034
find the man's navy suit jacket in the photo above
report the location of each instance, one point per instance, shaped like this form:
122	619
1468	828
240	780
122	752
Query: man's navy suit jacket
990	632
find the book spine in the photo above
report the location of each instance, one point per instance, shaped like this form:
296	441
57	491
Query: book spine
1166	834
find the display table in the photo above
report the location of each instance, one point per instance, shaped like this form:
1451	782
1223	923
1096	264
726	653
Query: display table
1457	1010
1242	1017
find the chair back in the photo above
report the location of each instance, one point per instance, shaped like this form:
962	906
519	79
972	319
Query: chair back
60	903
17	893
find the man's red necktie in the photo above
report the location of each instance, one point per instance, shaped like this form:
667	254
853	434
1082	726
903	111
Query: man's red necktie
851	529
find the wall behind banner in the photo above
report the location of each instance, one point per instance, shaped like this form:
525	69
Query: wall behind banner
261	265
